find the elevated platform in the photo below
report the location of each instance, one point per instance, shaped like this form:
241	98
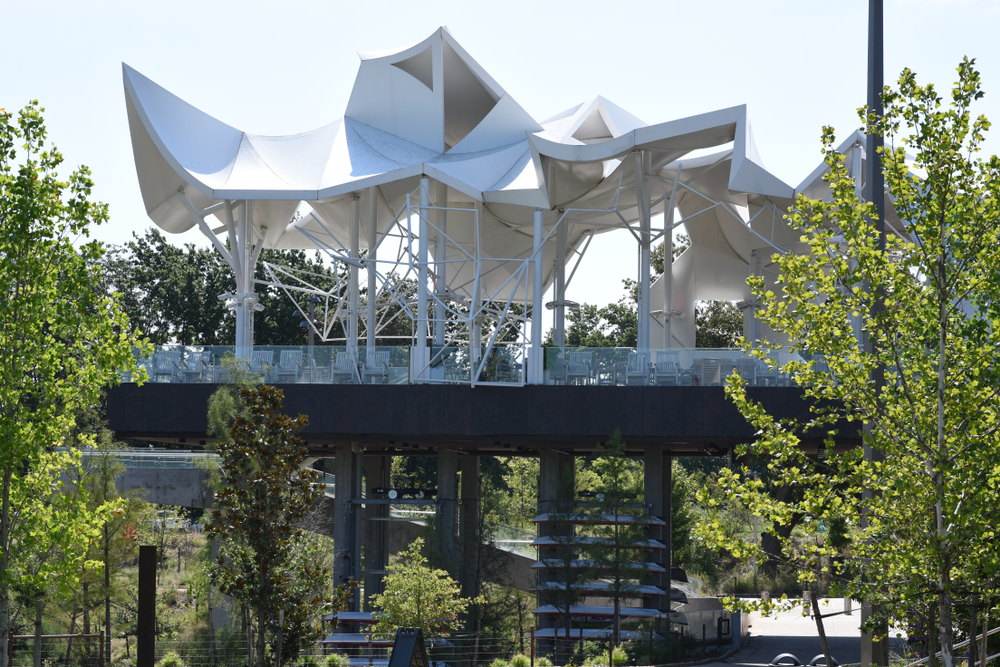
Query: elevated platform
416	419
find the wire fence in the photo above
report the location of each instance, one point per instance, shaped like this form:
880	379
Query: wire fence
227	650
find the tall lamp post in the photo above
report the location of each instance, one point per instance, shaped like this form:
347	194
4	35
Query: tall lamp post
874	652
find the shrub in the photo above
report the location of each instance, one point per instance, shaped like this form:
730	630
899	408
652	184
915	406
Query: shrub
308	661
543	662
520	660
335	660
499	662
171	659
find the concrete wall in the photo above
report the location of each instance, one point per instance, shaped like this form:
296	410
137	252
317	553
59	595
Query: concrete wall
183	487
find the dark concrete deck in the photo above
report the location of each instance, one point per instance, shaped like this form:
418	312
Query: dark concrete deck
485	420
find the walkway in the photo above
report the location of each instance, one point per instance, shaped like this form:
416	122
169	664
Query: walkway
790	632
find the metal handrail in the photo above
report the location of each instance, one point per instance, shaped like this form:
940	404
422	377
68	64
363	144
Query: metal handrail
958	645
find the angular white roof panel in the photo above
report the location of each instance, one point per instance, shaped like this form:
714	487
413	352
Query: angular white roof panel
432	110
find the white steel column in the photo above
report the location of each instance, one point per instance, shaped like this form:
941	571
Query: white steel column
355	285
476	336
536	365
421	359
372	286
668	263
440	264
642	166
246	298
562	238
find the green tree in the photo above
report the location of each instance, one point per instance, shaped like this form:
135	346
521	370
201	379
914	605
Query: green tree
927	385
718	324
264	498
170	293
618	523
61	341
418	596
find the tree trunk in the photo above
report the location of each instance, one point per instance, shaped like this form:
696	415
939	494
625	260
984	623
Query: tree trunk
107	595
39	607
72	627
973	630
211	626
931	637
4	562
261	642
820	629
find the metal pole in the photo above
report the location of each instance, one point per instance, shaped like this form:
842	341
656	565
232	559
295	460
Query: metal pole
145	652
421	360
372	266
562	236
355	285
874	652
642	167
537	296
440	264
668	264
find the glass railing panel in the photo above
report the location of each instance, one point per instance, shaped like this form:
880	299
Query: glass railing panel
277	364
689	367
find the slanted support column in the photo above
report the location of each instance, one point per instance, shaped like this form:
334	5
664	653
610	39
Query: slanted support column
420	358
447	494
470	527
377	470
372	266
536	365
355	285
642	168
562	239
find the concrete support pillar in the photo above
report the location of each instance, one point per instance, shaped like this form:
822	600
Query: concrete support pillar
556	492
421	358
447	496
536	365
354	286
657	482
343	527
642	168
377	469
470	527
562	239
440	264
373	194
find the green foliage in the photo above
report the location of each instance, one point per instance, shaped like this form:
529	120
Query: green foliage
924	538
542	661
718	324
418	596
619	522
171	659
313	661
61	343
520	660
335	660
265	497
170	293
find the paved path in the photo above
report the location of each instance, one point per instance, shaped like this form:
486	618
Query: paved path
791	632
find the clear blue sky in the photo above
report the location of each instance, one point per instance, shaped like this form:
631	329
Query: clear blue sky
279	68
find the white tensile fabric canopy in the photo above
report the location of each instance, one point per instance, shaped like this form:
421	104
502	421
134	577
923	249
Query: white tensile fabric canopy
430	111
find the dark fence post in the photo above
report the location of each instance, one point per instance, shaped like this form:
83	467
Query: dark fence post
145	651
